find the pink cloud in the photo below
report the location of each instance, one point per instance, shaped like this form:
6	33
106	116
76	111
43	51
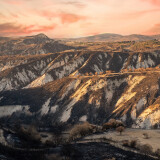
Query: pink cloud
154	2
65	17
14	2
70	18
154	30
47	14
13	29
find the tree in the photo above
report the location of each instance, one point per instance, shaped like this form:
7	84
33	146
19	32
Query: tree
120	129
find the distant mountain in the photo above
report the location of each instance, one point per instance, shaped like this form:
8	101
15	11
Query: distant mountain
109	37
37	44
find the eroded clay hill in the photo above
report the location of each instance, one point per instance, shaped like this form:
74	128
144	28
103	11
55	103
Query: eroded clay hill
94	83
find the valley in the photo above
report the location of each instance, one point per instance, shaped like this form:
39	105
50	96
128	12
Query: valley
48	86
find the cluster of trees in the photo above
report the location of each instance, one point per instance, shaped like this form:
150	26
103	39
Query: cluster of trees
86	128
81	130
114	124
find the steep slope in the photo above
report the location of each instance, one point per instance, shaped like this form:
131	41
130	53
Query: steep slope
133	98
36	71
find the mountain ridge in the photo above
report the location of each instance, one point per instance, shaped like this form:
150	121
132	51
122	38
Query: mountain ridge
110	37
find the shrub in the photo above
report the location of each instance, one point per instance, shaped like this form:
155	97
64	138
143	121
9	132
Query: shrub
119	123
111	124
107	126
146	149
120	129
29	133
81	130
146	136
133	143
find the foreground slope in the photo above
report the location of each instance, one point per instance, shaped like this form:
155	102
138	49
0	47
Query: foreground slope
131	97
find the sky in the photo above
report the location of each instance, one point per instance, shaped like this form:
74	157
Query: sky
78	18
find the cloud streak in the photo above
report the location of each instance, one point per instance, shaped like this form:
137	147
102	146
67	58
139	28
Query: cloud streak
70	18
15	29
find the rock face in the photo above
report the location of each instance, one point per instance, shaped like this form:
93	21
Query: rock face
72	86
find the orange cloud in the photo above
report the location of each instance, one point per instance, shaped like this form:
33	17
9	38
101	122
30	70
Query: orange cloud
12	29
70	18
63	16
47	14
154	30
14	2
154	2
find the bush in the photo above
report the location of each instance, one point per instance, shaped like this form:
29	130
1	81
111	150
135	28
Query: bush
29	133
132	143
146	149
81	130
107	126
112	124
146	136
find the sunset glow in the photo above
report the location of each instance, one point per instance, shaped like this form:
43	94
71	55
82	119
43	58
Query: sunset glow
76	18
